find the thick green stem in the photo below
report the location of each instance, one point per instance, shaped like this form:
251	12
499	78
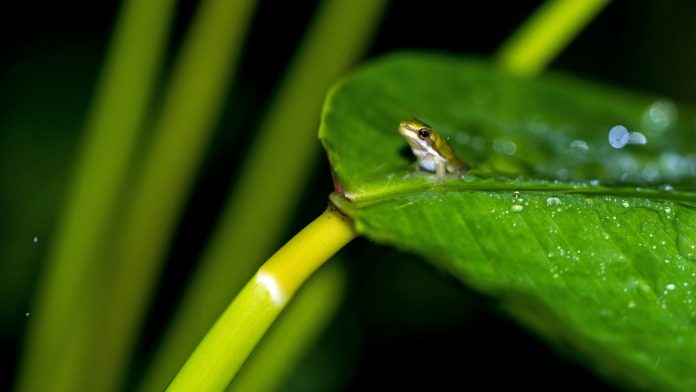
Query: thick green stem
294	333
229	342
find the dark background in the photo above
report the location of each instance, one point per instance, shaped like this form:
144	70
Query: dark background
396	329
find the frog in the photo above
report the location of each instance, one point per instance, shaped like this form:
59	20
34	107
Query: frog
431	149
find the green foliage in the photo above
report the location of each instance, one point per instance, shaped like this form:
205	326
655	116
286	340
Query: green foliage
583	242
64	310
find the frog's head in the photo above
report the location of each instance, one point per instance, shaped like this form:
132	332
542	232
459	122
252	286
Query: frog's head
418	134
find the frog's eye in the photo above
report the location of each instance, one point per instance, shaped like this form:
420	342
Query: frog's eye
423	133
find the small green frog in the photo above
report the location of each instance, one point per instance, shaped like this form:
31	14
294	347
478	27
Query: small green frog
431	149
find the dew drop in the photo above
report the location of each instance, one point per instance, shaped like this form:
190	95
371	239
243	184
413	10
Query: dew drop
516	208
516	195
625	204
650	174
579	147
35	239
670	287
666	188
637	138
618	136
562	174
676	166
503	146
553	201
662	114
27	314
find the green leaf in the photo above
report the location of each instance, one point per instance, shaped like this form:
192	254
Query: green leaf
585	243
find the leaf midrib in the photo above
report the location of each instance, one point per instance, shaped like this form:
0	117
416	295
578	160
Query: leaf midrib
375	195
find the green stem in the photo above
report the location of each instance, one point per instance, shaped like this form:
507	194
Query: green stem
55	357
294	332
192	103
267	191
229	342
543	36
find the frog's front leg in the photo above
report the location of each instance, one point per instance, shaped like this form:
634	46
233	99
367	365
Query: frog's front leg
441	169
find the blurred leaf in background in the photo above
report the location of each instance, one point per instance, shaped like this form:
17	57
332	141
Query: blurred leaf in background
47	81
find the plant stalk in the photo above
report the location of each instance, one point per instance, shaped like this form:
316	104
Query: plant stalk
545	34
229	342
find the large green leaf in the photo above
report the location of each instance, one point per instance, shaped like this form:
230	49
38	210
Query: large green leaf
584	242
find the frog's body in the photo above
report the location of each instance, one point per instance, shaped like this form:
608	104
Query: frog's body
431	149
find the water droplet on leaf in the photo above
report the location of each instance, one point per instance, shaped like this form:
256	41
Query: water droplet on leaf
666	188
553	201
618	136
660	115
503	146
637	138
579	146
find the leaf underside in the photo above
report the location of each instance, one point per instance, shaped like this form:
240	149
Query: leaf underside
592	246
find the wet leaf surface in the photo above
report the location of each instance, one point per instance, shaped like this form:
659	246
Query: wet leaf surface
578	213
